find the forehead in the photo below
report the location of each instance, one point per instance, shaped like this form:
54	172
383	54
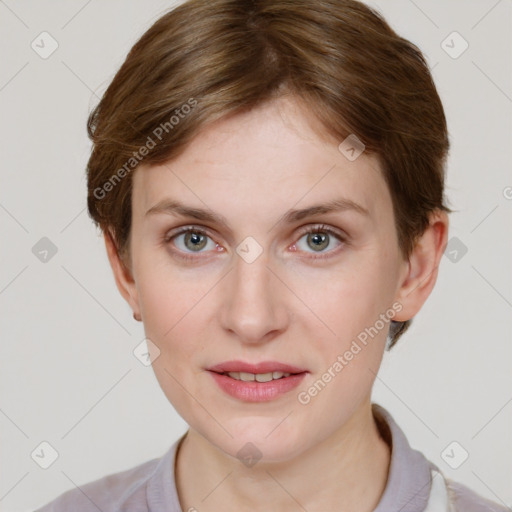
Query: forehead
272	157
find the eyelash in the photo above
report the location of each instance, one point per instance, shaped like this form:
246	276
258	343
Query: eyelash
319	228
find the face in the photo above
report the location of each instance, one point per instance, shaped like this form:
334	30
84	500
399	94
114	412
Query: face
256	282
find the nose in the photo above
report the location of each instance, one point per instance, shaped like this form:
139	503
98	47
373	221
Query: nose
254	302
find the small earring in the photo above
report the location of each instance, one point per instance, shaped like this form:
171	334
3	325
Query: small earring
137	317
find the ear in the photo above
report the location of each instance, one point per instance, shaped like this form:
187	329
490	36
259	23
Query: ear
122	275
420	273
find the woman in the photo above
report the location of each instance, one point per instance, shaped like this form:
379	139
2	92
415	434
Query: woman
269	178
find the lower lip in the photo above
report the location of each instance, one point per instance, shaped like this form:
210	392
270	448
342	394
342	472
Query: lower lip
257	391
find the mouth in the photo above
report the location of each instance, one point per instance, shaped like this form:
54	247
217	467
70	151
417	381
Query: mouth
256	382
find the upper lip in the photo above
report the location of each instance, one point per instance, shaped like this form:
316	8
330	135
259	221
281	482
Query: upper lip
263	367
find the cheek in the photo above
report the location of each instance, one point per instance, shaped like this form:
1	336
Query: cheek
170	296
172	305
350	296
349	359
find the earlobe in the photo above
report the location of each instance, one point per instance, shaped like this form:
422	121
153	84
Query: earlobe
122	275
421	274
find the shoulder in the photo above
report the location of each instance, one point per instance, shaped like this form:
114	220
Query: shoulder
466	500
111	493
412	482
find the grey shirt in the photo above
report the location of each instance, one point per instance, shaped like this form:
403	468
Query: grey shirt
151	486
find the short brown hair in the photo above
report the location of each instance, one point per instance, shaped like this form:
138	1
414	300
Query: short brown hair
221	57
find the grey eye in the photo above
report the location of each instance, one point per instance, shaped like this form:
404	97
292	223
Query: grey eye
195	241
318	241
192	240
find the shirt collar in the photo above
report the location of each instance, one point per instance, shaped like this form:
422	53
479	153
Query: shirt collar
409	477
161	493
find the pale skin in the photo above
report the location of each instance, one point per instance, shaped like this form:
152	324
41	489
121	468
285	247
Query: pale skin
285	306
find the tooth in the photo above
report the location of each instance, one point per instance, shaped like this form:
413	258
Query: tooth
264	377
259	377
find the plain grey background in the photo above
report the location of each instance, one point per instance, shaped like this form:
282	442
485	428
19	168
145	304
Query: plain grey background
68	374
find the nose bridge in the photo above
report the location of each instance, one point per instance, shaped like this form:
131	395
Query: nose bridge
255	305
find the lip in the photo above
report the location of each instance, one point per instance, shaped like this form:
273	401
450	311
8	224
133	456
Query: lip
262	367
257	391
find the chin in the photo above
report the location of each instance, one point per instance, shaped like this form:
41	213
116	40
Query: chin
261	440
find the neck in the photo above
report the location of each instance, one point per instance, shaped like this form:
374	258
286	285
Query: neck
345	472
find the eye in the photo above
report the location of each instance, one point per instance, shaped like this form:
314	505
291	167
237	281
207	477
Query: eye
191	240
318	238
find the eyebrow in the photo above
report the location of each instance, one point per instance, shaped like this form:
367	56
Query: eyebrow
174	207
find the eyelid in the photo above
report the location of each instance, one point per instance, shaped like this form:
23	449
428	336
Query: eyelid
184	229
313	228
